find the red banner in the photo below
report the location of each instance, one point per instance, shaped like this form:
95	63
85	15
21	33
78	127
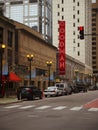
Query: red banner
61	48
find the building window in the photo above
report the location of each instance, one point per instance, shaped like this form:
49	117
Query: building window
78	36
93	48
93	29
62	9
73	32
93	15
1	35
78	12
94	53
32	1
40	72
94	10
62	17
62	1
78	53
93	43
94	67
10	38
93	24
58	6
77	3
93	38
73	0
58	14
9	54
16	2
73	40
94	57
94	20
94	62
78	44
73	24
78	20
74	16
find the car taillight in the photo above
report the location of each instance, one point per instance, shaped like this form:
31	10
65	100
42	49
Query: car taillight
29	90
53	90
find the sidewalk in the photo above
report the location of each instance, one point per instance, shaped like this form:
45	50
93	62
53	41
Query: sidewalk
9	100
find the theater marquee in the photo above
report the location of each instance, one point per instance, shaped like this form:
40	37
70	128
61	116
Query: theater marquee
61	57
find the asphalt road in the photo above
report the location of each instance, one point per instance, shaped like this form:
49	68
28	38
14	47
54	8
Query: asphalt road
73	112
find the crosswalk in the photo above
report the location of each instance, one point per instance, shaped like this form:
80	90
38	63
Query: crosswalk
54	108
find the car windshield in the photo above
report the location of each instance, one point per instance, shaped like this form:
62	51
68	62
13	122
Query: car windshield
51	88
60	85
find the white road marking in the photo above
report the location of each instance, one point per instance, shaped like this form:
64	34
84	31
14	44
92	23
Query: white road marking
26	107
43	107
76	108
32	115
59	108
14	106
93	109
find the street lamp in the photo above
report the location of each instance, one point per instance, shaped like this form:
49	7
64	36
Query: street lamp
76	74
1	56
30	59
49	63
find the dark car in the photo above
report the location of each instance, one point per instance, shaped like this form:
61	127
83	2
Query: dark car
93	87
80	86
29	92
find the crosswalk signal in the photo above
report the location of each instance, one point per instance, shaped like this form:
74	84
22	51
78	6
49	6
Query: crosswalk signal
81	32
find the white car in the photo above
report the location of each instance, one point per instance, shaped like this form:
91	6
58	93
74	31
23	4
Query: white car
52	91
66	89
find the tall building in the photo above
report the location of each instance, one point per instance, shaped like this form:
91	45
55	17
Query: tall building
75	13
95	37
33	13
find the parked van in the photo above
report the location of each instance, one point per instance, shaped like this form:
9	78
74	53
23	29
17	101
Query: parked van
66	89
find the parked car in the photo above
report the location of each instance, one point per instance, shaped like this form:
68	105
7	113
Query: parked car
29	92
80	87
52	91
93	87
66	89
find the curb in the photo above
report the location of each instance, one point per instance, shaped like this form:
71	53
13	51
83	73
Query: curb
10	102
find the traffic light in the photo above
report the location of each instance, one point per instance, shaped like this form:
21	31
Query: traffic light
81	32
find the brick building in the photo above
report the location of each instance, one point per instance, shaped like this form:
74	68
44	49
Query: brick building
31	42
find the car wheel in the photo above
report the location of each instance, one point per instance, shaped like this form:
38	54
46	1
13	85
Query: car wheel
33	97
41	96
57	94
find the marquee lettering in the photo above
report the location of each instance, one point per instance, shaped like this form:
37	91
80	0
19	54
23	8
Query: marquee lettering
61	47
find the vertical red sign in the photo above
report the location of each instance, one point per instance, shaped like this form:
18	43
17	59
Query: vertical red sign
62	57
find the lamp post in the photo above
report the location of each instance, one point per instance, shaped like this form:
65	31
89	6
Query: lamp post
49	63
76	74
1	55
30	59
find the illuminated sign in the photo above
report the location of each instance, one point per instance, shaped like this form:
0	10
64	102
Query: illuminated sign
61	47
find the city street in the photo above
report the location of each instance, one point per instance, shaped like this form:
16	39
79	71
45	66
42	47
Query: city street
73	112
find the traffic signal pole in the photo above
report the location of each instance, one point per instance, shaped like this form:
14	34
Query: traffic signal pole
91	34
81	33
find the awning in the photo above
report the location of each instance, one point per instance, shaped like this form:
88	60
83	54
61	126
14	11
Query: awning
13	77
